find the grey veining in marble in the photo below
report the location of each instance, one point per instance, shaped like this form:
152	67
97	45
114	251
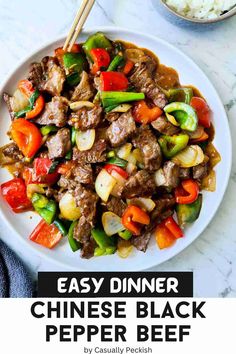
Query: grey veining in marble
24	26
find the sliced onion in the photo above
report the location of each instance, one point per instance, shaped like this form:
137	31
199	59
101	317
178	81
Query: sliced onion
189	157
124	248
112	223
85	140
209	182
119	179
144	203
122	108
104	184
124	151
120	182
159	177
172	119
19	101
137	153
68	207
75	106
131	168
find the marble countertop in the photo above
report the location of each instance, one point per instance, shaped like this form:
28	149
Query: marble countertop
25	26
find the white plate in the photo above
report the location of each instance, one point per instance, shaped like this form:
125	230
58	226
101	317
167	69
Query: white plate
23	224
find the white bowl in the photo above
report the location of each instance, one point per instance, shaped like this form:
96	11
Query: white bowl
21	225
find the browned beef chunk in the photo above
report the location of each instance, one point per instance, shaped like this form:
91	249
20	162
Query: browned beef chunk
146	141
163	126
84	91
67	183
142	79
138	56
140	185
54	77
200	171
83	174
88	248
112	116
184	173
36	74
59	144
171	173
85	119
54	112
122	129
116	206
7	98
9	154
162	210
96	154
82	230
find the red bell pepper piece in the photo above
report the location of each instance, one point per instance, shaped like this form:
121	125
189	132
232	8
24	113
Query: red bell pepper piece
46	235
203	111
113	81
128	67
109	168
167	232
14	192
27	136
66	167
101	58
187	193
132	217
41	171
143	114
27	89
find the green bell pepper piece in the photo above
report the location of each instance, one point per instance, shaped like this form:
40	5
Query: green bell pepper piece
117	61
172	145
74	245
183	94
68	155
113	98
47	129
104	251
117	161
61	227
44	207
73	79
74	64
126	234
97	40
111	154
101	238
185	115
188	213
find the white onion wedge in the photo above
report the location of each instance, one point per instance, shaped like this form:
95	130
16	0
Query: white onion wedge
75	106
68	207
85	140
172	119
19	101
124	151
122	108
159	177
144	203
124	248
111	223
104	184
191	156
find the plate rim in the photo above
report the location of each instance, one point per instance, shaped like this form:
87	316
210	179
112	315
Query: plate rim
117	30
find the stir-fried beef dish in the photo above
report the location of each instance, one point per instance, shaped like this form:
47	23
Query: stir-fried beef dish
108	148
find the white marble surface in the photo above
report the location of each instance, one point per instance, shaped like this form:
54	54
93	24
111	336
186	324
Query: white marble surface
26	25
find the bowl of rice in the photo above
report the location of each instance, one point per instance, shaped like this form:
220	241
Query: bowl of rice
201	11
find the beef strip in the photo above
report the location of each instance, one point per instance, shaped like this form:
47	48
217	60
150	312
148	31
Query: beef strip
84	91
171	173
7	98
87	201
162	210
138	56
10	154
140	185
66	183
116	206
200	171
36	74
142	79
85	119
184	173
112	116
163	126
59	144
146	141
83	173
96	154
122	129
54	112
88	249
54	77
